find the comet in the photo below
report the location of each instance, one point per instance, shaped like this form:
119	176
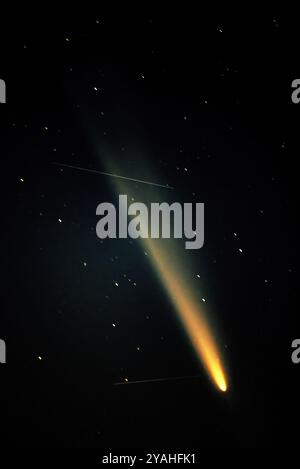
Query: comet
190	314
170	271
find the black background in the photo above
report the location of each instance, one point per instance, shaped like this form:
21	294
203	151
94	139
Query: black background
230	76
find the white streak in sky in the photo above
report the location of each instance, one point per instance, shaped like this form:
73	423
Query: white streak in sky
112	175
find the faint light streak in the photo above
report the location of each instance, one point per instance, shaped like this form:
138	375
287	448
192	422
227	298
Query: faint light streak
118	176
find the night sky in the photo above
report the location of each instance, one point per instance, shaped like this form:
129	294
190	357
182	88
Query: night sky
200	103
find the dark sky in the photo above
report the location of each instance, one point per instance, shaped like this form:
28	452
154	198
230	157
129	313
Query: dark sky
199	102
